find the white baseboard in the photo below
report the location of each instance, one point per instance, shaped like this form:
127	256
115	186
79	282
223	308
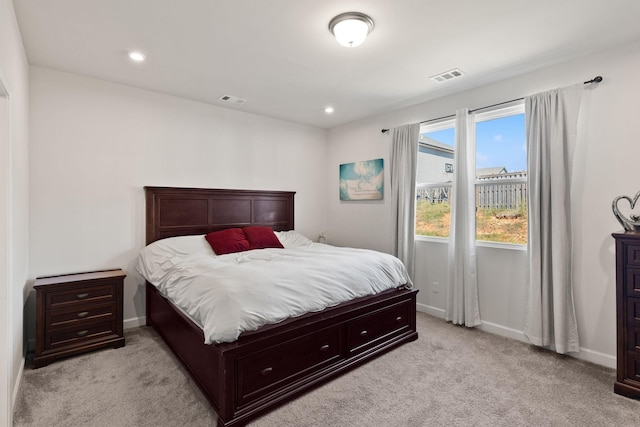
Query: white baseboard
16	388
503	331
596	357
134	322
428	309
585	354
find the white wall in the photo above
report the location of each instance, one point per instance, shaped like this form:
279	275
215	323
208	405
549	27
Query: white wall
14	204
95	144
605	166
5	312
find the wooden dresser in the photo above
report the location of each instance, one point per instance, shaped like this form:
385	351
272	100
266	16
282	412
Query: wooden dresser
76	313
628	313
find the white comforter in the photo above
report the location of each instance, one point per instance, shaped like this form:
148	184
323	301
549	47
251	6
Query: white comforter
229	294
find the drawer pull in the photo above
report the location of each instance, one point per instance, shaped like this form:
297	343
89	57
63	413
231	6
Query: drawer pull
266	371
363	333
83	314
399	319
324	348
83	333
83	296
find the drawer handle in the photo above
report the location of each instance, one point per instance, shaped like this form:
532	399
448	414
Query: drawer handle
83	314
83	333
399	319
83	296
266	371
324	348
363	333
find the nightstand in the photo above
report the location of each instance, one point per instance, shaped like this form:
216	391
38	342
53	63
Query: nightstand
628	313
76	313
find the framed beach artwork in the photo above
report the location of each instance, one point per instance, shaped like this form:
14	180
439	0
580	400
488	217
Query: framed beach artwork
362	180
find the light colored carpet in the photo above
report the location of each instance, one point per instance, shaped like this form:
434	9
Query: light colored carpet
450	376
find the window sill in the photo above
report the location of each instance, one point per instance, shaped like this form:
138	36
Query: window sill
500	245
479	243
421	238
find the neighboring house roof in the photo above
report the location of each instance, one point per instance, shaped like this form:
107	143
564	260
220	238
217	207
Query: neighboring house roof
496	170
436	145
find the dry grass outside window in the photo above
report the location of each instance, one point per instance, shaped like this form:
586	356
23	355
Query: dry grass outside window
494	225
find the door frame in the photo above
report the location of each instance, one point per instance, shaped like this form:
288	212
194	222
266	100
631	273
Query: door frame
6	295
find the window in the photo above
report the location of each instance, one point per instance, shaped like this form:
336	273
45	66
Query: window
501	176
434	177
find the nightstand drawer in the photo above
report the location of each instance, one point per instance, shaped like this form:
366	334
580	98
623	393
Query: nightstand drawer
633	255
79	334
80	295
633	367
633	281
633	338
86	315
633	311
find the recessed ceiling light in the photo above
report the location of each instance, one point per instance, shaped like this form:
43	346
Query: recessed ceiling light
328	110
136	56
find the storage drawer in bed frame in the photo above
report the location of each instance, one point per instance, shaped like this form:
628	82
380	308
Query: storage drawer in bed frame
272	365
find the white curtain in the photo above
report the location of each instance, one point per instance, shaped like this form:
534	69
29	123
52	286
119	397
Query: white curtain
462	292
404	164
551	122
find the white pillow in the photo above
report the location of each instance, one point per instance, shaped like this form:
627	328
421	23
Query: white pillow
157	258
292	239
184	245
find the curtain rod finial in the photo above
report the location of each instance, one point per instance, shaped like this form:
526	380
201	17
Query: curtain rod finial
596	79
384	130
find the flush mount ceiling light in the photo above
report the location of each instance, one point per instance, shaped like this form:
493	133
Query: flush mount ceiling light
351	28
136	56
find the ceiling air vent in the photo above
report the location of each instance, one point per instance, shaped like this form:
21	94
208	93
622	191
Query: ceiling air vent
232	99
447	75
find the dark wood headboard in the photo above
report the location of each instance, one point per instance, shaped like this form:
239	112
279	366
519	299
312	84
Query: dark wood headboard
173	211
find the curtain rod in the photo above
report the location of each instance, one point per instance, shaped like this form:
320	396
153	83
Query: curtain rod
596	79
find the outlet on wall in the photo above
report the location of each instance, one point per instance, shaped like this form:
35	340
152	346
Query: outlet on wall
436	287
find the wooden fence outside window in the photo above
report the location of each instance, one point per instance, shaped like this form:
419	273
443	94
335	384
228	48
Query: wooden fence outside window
506	191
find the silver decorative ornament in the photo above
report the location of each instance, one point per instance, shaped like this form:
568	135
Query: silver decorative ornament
633	222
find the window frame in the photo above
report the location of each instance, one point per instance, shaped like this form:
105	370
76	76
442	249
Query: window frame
434	126
511	109
504	110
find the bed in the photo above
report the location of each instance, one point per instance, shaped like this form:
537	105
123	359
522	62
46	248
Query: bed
277	362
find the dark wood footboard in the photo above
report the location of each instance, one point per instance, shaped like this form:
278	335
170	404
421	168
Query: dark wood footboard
271	366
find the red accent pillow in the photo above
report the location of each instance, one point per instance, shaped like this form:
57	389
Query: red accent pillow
228	241
262	237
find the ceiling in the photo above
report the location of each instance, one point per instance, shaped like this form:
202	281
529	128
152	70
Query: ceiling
280	56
